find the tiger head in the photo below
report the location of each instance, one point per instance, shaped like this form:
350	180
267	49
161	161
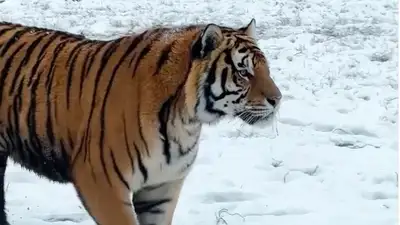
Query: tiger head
232	77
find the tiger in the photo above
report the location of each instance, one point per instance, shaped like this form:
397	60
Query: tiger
120	119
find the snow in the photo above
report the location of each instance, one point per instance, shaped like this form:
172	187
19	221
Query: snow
333	157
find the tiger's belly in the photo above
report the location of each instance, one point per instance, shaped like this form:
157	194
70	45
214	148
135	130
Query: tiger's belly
44	159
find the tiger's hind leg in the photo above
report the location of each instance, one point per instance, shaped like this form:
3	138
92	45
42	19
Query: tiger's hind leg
3	165
156	205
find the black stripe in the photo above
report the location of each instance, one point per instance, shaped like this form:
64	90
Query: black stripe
183	152
117	171
224	77
83	146
128	51
87	153
163	117
188	165
95	86
163	57
142	54
244	58
32	158
242	96
84	140
49	83
75	51
14	113
13	117
5	30
12	40
71	62
135	43
224	74
60	163
150	206
253	58
40	57
103	163
146	50
92	59
235	80
34	141
7	140
12	130
242	50
87	65
108	88
224	94
5	144
256	48
19	93
127	146
11	142
106	56
174	111
146	147
142	168
6	69
2	146
24	61
211	78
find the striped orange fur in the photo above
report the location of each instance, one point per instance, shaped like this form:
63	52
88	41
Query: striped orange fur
121	119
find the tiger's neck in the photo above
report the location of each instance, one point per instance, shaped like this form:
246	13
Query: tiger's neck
180	131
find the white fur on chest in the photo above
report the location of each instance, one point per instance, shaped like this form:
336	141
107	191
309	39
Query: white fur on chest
160	171
183	149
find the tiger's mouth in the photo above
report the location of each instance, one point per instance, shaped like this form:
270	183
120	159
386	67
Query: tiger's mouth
256	117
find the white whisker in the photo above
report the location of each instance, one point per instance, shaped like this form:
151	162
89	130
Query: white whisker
256	107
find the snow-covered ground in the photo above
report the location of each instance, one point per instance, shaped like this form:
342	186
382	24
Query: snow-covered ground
334	160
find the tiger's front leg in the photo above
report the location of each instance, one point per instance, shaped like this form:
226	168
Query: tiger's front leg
156	205
107	203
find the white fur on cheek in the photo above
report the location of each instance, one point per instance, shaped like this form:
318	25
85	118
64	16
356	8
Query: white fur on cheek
224	104
237	58
250	66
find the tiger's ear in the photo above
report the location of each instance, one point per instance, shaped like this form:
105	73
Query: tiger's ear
250	29
209	39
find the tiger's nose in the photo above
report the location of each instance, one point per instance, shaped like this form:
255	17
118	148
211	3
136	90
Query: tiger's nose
274	100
